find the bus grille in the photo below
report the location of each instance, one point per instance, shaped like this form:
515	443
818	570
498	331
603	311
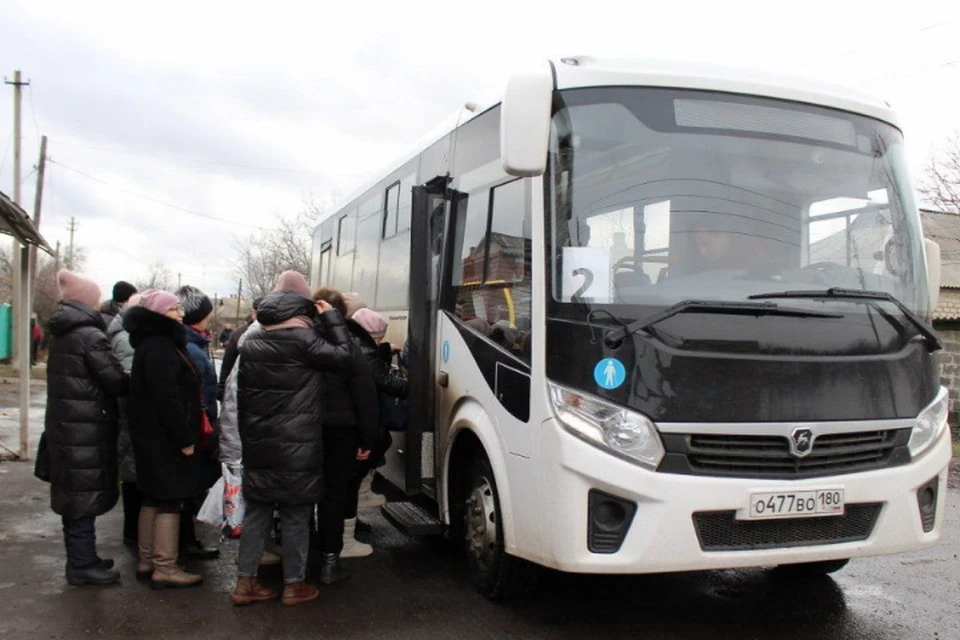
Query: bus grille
721	531
765	456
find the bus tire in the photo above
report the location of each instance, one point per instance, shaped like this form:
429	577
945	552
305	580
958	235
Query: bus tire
495	573
811	569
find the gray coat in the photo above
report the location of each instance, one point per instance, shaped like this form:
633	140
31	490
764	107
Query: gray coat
231	451
120	344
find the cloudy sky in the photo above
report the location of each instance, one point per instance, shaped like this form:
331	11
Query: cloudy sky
175	129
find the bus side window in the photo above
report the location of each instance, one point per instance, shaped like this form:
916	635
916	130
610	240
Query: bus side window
509	265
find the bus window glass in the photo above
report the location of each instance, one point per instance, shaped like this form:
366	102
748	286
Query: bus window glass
394	275
365	267
345	235
472	240
508	288
391	206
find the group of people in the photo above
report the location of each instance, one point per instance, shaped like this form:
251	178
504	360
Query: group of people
134	402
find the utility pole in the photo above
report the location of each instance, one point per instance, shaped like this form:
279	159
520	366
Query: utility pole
239	291
37	201
68	260
17	293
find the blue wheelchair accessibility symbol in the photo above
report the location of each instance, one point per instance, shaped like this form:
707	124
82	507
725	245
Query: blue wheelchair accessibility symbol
609	373
445	350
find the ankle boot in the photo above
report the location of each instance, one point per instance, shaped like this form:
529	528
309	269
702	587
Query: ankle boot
353	548
366	497
166	538
330	570
96	574
298	593
145	542
249	591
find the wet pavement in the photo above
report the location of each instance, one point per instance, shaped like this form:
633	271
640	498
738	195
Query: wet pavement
420	589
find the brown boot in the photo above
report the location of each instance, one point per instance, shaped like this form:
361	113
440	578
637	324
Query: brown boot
145	542
298	593
249	591
166	542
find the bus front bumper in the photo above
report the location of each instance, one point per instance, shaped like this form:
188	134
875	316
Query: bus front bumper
663	535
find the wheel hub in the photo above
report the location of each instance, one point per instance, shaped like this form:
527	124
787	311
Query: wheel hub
481	524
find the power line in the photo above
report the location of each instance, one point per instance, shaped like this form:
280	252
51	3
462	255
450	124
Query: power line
910	71
879	43
150	198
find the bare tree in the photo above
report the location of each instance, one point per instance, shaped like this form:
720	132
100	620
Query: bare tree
266	253
46	294
159	277
6	273
941	182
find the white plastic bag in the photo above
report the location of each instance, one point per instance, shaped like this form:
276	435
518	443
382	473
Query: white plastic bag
233	505
212	510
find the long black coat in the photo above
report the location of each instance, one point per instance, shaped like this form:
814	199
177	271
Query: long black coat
279	392
164	406
84	379
350	398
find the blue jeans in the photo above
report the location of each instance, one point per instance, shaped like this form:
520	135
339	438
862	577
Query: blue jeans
80	538
295	525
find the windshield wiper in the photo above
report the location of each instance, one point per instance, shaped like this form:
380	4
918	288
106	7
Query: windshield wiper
613	337
870	298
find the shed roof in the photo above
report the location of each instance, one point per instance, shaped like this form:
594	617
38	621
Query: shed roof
15	222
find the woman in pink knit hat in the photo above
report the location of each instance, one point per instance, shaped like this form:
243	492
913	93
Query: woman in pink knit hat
84	379
164	412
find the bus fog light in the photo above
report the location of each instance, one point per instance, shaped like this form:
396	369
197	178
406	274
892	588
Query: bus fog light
930	424
927	503
611	427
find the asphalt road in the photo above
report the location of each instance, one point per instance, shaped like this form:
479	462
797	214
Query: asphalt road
420	589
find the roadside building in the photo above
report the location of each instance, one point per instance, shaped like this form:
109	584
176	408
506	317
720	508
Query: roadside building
944	229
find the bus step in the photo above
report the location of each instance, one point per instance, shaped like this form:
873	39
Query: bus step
412	519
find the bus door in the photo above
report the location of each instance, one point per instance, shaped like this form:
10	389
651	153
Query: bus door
427	230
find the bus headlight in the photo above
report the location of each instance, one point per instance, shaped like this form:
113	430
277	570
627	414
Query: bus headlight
611	427
930	424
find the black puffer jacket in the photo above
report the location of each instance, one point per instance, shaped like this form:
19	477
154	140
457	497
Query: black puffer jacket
386	379
350	397
279	396
164	406
84	379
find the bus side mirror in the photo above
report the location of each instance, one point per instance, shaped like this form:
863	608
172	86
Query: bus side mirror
932	251
525	123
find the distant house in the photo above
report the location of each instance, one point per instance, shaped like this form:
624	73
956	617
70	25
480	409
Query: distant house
944	229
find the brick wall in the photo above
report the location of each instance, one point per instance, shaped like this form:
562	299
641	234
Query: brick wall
949	360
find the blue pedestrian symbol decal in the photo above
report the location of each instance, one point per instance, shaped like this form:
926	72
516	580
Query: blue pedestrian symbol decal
445	350
609	373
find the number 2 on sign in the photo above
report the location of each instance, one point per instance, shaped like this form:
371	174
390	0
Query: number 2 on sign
587	283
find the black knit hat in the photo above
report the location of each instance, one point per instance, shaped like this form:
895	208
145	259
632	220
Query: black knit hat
196	304
122	291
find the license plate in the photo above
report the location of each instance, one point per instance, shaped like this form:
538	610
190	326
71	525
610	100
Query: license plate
795	504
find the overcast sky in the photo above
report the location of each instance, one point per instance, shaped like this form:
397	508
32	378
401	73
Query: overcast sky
176	128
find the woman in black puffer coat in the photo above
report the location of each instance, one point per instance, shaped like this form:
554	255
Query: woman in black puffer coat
351	430
164	414
279	395
83	382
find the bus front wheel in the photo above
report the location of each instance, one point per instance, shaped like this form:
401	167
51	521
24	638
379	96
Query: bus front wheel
494	572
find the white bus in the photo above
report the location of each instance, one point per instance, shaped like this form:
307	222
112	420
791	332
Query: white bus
661	317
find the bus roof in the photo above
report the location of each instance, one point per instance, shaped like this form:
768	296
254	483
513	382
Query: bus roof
584	71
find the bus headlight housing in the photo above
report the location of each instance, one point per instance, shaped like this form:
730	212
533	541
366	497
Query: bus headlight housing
930	424
611	427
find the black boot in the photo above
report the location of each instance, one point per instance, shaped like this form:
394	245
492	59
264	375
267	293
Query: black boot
96	574
330	570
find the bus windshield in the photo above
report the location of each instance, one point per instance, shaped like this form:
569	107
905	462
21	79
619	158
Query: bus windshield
657	196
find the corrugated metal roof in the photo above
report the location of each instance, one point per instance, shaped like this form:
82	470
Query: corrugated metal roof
944	229
948	308
14	221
